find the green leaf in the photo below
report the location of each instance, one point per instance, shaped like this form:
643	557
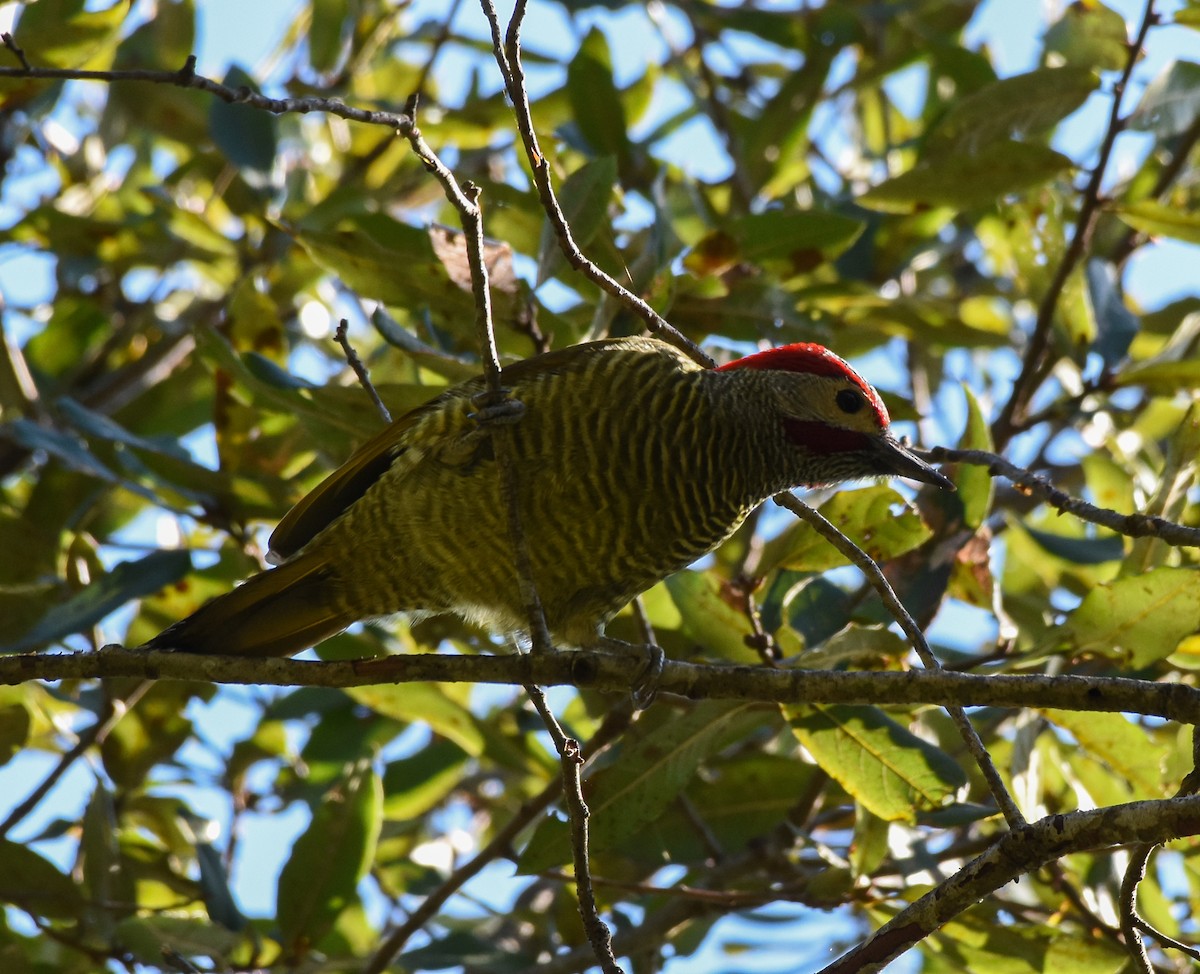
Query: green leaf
1141	618
390	261
1157	220
1079	551
414	785
1124	747
596	106
1012	108
1170	104
1116	325
747	795
658	760
147	937
886	767
965	182
877	519
127	581
214	886
246	135
980	941
1162	377
709	619
15	724
817	610
975	485
325	37
35	884
799	236
426	702
63	34
321	876
1090	34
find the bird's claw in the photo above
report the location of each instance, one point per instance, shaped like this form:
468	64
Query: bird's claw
645	684
497	407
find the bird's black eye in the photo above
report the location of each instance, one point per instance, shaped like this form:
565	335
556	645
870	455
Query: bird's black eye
849	401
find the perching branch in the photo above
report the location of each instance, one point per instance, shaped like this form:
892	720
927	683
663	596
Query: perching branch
606	672
1131	525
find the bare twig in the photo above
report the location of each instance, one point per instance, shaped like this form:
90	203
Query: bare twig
186	77
1033	366
1131	525
507	49
93	735
500	411
571	758
17	50
360	370
499	847
1139	856
916	637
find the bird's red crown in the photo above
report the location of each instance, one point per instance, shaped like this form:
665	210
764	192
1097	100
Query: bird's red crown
814	360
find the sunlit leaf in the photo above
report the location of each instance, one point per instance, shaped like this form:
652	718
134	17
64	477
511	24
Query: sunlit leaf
882	764
967	181
321	875
1141	618
1170	104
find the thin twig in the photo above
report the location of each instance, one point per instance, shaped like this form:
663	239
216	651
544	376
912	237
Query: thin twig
93	735
507	50
499	847
1033	366
499	411
186	77
874	575
571	758
17	50
1131	525
360	370
1135	872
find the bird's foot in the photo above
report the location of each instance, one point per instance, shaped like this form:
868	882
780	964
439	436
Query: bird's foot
497	407
644	687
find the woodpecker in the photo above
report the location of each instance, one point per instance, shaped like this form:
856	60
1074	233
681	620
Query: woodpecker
633	462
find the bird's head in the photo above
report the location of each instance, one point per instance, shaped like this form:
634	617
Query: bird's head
833	418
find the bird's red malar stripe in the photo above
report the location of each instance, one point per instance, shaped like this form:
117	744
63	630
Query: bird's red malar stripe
823	439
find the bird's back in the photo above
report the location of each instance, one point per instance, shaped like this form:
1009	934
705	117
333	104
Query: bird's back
619	482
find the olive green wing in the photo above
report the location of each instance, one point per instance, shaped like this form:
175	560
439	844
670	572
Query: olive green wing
435	426
329	499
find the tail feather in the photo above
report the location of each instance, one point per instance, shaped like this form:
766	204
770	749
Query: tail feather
276	613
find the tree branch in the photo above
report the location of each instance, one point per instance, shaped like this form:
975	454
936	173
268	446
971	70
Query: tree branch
1016	854
1131	525
605	672
1033	364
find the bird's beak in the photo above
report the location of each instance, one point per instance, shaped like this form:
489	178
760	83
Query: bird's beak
898	461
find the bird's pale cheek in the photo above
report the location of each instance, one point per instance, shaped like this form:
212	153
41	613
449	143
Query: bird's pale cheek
822	439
